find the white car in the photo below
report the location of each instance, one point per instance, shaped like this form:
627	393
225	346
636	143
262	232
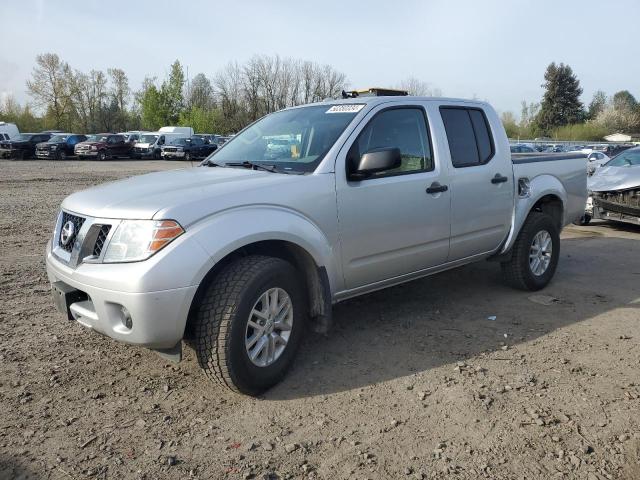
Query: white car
595	160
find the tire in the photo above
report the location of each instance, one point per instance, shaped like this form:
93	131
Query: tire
62	155
102	155
187	156
584	220
156	155
20	155
222	319
519	269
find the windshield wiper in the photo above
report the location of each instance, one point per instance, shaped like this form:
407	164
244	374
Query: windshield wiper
254	166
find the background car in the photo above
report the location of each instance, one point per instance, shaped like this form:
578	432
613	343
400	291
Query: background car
22	146
103	146
187	149
522	149
595	160
60	146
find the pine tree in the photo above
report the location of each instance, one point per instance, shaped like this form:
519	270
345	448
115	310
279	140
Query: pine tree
561	103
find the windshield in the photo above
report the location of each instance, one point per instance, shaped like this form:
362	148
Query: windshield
627	158
21	138
96	138
148	138
295	139
58	139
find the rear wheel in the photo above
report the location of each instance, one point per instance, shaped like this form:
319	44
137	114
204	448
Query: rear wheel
249	324
535	254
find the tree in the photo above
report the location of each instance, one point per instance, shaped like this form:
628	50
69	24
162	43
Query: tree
510	124
561	103
119	93
419	88
598	103
622	120
50	86
171	94
200	93
151	105
623	100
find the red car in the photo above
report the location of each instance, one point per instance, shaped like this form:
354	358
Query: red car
103	146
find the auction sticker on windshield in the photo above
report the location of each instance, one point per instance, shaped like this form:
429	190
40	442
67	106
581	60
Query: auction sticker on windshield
345	108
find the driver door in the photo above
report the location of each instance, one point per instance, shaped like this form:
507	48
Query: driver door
393	223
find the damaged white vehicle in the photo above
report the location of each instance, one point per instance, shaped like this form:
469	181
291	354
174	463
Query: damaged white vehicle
614	190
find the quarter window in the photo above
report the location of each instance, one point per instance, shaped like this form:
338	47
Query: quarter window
402	128
468	134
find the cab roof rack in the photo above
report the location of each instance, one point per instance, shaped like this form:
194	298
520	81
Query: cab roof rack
374	92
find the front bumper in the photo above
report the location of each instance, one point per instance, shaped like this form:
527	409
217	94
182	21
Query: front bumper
157	318
86	153
172	154
7	153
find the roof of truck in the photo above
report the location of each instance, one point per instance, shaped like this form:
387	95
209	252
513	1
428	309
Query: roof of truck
397	98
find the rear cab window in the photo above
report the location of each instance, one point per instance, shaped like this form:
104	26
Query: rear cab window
469	136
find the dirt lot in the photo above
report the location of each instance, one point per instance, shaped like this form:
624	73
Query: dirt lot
412	382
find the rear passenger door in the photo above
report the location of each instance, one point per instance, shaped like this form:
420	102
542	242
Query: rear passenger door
481	183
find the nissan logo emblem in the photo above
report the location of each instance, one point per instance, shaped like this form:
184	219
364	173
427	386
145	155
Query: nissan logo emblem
67	233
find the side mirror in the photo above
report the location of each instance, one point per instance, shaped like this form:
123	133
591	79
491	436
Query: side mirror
376	160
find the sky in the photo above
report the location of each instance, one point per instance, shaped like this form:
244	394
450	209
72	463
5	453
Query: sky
488	49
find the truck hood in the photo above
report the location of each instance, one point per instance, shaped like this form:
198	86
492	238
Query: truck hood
615	178
141	145
185	195
96	144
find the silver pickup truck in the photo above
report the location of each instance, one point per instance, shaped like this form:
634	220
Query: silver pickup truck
304	208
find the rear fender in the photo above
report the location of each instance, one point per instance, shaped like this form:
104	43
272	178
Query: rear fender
540	187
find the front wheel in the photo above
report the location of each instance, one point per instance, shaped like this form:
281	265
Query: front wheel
102	155
249	324
187	156
535	254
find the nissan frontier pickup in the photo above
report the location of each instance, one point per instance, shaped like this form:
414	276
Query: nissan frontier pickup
246	251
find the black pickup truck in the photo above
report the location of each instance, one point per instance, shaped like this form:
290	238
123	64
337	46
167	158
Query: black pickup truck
187	149
22	146
59	147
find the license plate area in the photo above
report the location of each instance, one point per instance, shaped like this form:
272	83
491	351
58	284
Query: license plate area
64	296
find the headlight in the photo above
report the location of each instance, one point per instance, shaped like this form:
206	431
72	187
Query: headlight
93	147
136	240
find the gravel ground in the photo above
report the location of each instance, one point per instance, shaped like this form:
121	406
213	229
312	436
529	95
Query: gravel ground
417	381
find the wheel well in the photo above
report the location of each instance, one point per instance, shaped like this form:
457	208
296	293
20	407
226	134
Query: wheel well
552	206
315	278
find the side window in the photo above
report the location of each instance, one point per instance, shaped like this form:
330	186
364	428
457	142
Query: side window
403	128
468	135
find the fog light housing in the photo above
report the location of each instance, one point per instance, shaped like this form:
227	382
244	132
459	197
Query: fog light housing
127	321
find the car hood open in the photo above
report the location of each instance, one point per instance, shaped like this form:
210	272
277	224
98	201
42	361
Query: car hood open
615	178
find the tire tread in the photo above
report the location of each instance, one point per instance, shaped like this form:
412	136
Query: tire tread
216	312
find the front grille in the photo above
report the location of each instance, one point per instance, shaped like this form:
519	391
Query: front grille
102	237
77	225
170	149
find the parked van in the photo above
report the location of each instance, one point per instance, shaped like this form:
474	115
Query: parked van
149	144
188	131
8	130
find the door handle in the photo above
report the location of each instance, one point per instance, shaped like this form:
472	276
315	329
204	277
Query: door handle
435	187
499	179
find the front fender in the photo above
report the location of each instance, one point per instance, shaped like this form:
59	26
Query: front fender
540	186
227	231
